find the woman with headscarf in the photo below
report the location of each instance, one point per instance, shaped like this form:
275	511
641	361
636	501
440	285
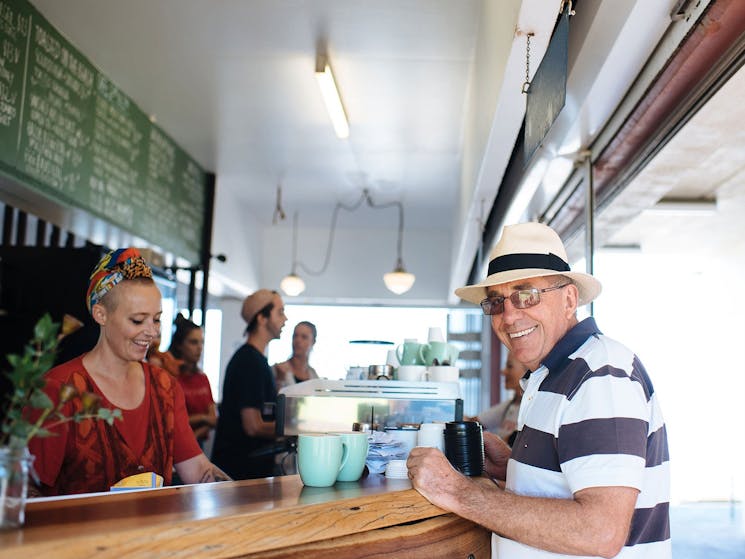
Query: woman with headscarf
154	434
187	344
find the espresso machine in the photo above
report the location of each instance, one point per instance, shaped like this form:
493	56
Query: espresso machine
322	405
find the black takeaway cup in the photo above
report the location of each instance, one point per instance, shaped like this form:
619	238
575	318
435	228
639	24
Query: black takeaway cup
464	446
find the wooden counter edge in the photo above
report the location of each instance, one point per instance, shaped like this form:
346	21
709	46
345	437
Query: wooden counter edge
240	534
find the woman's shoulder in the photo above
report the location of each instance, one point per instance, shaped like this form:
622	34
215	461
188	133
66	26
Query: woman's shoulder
283	367
65	371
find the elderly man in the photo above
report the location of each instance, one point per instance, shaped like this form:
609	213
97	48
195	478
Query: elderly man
588	474
245	423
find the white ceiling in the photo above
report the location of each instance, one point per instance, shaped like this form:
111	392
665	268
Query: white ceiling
432	90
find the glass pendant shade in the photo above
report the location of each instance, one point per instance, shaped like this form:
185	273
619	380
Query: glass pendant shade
292	285
399	280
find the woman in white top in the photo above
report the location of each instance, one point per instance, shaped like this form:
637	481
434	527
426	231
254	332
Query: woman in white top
501	419
296	368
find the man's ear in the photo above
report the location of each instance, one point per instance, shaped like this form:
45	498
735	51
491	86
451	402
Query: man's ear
99	314
571	298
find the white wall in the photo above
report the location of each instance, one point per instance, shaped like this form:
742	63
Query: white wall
236	234
359	258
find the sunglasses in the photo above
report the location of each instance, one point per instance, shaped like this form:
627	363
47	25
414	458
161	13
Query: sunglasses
522	299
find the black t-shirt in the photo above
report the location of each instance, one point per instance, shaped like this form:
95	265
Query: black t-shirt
249	383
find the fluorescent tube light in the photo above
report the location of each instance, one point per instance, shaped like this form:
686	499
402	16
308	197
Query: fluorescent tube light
331	97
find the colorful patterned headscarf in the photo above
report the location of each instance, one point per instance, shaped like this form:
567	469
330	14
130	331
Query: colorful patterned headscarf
115	266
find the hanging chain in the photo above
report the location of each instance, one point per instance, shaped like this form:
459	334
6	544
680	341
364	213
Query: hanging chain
526	84
279	212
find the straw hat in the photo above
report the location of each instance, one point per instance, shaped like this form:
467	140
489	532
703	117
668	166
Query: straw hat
529	250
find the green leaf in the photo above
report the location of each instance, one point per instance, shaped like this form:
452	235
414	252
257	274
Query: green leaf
40	400
109	416
13	359
45	328
45	433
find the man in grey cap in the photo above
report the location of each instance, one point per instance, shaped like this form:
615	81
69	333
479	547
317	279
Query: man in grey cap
245	424
588	474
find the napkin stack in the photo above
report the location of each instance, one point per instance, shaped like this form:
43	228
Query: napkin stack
383	449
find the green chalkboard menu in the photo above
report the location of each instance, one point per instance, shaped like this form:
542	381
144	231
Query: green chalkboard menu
69	132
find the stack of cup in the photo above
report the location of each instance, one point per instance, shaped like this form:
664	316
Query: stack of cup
464	446
431	434
396	469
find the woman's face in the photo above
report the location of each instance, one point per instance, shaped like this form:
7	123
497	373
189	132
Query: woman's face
192	346
513	372
130	320
302	340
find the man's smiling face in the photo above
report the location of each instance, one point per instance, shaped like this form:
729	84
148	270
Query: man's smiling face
531	333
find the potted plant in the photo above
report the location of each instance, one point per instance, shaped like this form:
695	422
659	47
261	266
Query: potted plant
31	413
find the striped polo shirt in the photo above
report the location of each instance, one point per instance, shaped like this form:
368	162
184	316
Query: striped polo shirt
589	417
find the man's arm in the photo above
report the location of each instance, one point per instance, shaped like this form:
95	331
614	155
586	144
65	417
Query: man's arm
200	470
595	522
255	426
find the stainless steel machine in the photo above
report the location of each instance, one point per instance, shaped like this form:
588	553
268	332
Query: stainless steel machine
321	405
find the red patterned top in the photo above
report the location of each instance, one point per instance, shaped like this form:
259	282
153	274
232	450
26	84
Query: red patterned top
92	456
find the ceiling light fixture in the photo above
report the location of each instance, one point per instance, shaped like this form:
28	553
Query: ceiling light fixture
398	281
292	284
331	97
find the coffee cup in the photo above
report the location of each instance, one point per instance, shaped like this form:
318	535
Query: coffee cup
408	352
320	458
411	373
431	434
357	444
392	358
435	334
443	373
440	351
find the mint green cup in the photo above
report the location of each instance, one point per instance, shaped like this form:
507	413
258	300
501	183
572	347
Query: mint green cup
357	446
434	350
320	458
408	352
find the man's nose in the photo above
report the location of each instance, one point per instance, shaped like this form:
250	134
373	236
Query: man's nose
510	310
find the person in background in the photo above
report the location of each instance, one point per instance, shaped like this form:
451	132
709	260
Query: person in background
187	344
589	473
245	424
502	417
154	434
163	359
296	368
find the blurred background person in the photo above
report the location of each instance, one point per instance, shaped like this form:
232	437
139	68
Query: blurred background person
501	419
246	428
187	345
297	368
163	359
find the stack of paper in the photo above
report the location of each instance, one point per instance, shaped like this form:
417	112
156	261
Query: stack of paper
383	449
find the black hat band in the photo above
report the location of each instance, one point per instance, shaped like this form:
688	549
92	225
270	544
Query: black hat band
522	261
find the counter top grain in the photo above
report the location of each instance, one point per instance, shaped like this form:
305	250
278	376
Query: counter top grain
228	519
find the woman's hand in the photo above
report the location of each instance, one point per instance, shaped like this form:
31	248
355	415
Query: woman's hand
496	454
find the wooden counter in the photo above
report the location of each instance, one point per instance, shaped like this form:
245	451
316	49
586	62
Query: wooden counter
273	517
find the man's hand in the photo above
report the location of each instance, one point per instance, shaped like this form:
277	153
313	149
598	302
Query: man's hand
435	478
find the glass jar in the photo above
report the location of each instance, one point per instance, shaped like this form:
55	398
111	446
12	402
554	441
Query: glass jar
14	471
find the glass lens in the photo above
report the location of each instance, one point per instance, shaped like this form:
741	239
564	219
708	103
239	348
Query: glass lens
525	298
493	305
